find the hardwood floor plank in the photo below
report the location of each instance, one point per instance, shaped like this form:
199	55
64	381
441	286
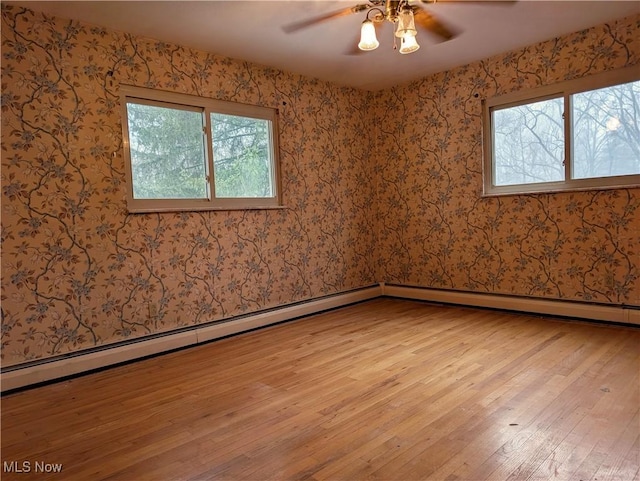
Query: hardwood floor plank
386	389
625	448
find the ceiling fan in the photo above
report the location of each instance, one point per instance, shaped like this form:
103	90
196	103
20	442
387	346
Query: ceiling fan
402	13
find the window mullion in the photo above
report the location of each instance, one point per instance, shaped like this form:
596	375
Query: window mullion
568	138
208	140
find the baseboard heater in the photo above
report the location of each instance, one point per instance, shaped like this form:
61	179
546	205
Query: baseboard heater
552	307
36	372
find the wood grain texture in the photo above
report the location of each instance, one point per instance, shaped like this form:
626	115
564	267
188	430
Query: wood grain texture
382	390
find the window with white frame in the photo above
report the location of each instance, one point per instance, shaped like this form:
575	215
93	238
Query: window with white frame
577	135
184	152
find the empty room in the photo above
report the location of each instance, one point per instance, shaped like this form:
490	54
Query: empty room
322	240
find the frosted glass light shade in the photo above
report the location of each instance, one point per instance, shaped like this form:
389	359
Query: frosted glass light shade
406	24
409	44
368	40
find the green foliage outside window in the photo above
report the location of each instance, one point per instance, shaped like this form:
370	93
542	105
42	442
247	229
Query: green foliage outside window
192	153
167	152
241	159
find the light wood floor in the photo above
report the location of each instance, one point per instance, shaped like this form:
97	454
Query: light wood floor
385	390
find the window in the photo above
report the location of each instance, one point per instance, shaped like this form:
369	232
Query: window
191	153
581	134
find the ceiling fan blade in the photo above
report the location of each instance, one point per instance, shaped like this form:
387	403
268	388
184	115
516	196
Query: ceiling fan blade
432	24
294	27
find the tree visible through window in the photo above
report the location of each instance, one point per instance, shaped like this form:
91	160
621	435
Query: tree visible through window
167	152
580	134
606	131
529	143
241	157
192	153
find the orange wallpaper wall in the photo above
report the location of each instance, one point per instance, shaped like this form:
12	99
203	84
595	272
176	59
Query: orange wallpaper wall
436	230
78	271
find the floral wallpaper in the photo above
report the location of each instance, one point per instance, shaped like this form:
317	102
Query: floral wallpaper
401	205
79	271
436	230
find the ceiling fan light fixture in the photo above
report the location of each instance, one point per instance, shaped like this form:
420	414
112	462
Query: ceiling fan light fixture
408	44
406	23
368	39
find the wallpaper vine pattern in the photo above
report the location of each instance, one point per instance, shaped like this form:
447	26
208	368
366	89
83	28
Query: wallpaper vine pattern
435	228
361	206
79	271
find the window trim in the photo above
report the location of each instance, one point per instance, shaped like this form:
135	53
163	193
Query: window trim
560	90
207	106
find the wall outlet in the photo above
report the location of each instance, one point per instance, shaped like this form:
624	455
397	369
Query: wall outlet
153	309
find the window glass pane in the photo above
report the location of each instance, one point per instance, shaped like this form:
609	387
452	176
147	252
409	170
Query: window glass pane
167	152
529	143
241	156
606	131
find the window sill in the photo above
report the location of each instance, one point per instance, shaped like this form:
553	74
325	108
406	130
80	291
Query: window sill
602	184
160	210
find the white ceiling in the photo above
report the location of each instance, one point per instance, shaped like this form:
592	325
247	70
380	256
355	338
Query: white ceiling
252	30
